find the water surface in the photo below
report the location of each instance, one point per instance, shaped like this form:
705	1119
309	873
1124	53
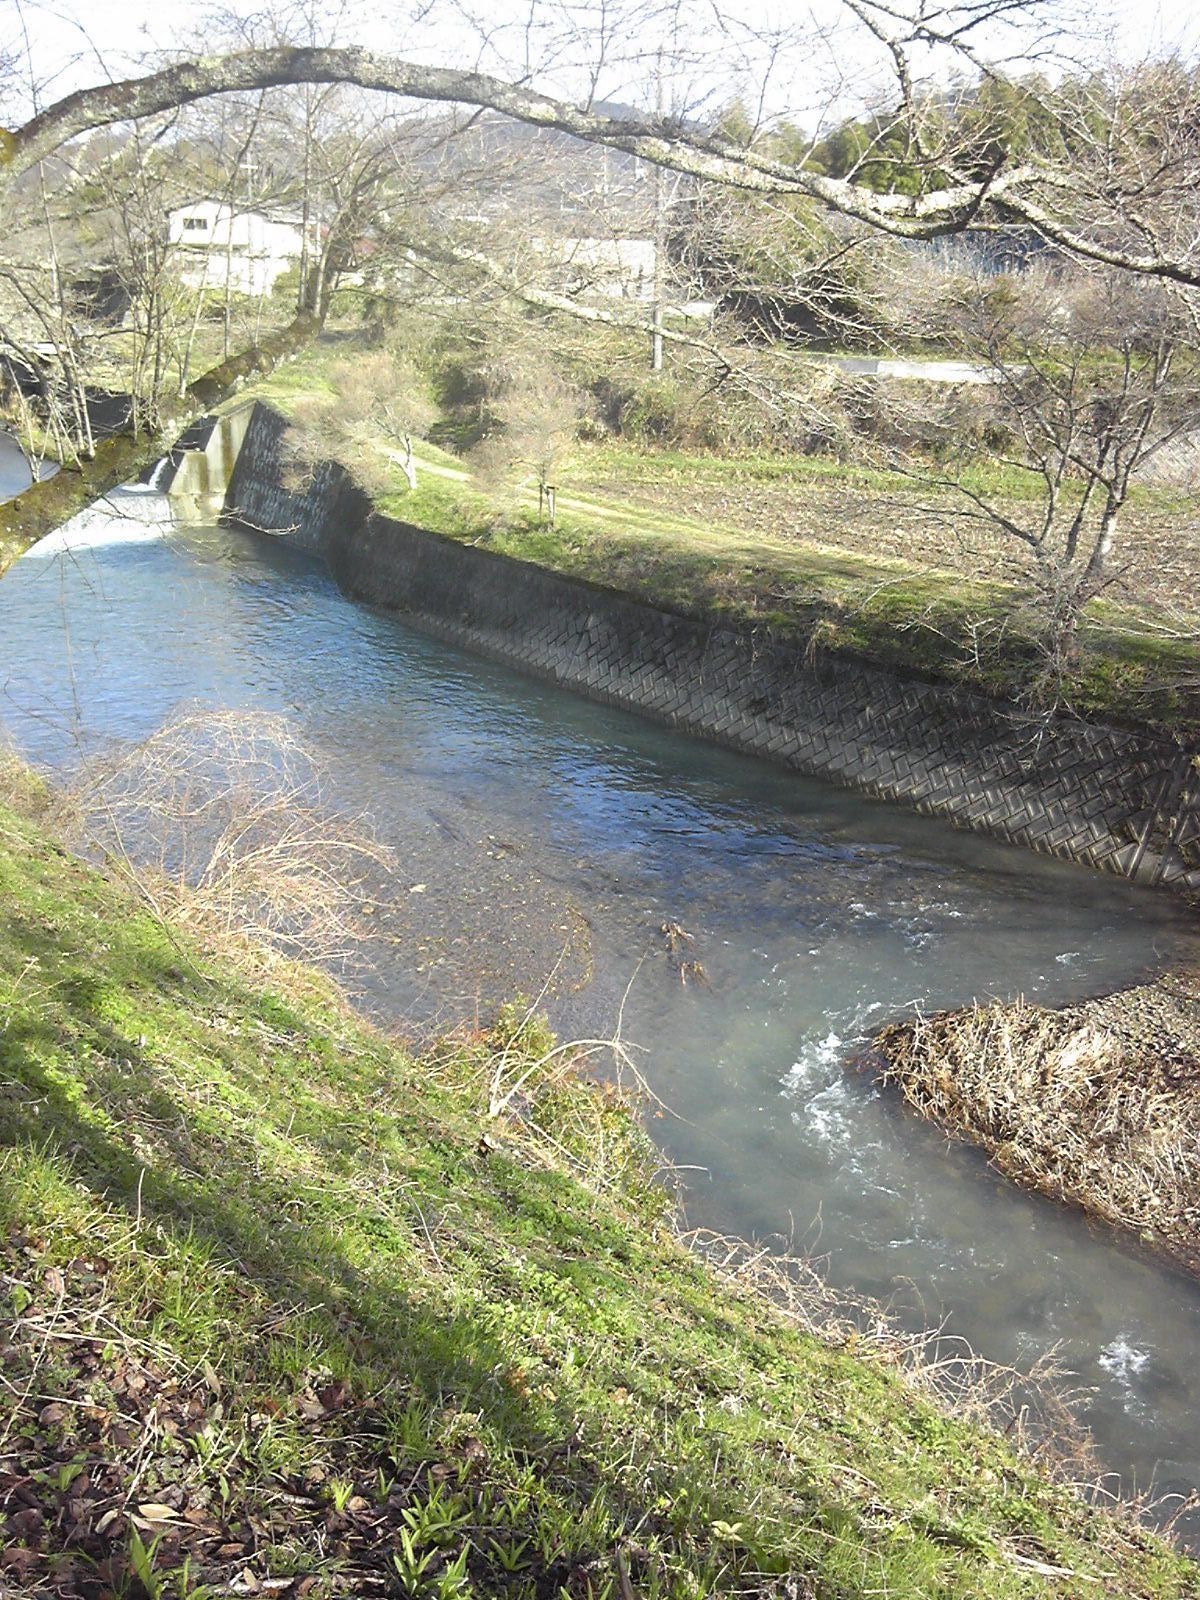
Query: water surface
546	841
15	475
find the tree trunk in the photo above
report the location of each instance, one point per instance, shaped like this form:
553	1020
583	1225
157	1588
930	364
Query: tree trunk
1102	549
656	339
46	505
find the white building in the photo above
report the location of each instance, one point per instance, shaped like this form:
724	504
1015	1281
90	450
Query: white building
621	269
616	269
250	249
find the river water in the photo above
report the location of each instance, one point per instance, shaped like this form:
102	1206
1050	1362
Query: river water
14	469
545	841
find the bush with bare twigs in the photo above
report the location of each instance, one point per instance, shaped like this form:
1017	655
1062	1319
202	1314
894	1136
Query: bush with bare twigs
370	420
220	819
1066	1105
536	416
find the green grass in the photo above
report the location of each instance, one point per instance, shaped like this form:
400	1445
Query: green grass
301	376
283	1301
617	459
989	478
901	615
956	630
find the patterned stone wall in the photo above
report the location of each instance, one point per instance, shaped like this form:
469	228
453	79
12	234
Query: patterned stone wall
1123	802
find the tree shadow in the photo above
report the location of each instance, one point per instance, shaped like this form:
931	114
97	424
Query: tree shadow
137	1141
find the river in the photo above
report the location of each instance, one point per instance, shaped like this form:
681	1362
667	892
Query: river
14	469
539	834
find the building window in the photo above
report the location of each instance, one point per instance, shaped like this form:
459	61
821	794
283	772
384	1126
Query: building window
194	225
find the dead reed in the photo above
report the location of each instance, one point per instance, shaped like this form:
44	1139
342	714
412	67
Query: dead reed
220	820
1068	1104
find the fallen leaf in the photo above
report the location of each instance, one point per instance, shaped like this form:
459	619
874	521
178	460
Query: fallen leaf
334	1395
155	1511
19	1559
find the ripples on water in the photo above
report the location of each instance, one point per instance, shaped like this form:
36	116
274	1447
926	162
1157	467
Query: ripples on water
535	820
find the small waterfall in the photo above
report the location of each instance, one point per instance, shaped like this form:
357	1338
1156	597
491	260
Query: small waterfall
156	477
136	513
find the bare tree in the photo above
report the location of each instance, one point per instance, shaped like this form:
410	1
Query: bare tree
380	405
1093	374
534	422
1111	175
1129	211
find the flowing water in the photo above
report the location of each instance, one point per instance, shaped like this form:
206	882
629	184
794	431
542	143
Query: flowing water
544	839
14	469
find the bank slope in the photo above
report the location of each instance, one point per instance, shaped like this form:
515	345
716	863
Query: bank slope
284	1313
879	577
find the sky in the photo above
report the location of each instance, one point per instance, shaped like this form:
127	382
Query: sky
76	42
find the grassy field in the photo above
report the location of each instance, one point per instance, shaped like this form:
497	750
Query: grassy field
886	512
840	558
288	1311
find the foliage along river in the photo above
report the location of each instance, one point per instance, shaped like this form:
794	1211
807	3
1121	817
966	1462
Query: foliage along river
529	822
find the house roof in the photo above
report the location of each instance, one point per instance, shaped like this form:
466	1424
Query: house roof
286	218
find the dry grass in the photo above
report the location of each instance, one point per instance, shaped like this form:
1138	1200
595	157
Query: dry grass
221	822
1070	1104
21	789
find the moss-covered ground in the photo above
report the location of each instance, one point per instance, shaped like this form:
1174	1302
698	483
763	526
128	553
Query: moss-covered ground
839	557
287	1310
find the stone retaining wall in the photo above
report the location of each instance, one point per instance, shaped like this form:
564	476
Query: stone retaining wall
1124	802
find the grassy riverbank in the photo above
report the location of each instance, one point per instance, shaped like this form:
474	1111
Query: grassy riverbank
287	1311
1097	1104
842	558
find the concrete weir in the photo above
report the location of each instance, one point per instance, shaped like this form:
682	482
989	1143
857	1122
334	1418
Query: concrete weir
201	464
1122	801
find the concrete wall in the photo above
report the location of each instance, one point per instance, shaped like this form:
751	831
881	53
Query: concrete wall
201	464
1123	802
